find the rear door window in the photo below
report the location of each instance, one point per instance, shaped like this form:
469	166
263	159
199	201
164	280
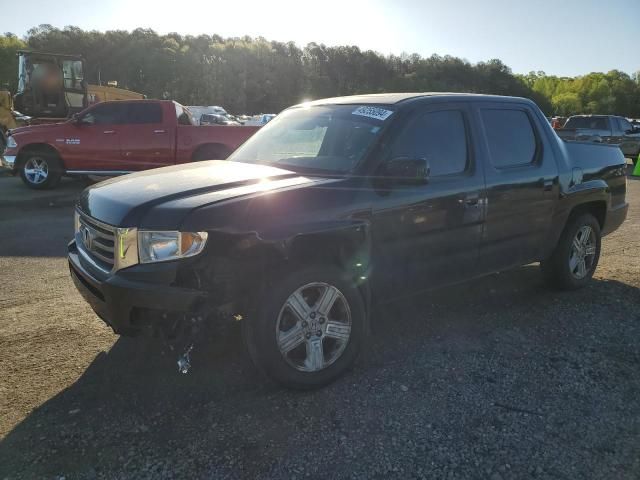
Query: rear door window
440	137
590	123
144	113
510	137
625	125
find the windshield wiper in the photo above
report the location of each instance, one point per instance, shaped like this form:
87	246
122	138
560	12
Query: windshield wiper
291	163
306	170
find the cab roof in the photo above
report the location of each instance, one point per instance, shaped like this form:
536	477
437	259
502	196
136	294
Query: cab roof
397	98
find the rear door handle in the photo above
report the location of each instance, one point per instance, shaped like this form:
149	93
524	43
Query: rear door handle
109	132
470	200
159	131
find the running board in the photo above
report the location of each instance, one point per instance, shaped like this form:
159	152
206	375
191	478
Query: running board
98	173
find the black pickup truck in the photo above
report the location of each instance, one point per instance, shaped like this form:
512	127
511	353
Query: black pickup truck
608	129
338	205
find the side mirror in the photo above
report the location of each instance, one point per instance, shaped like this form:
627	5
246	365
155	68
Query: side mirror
75	119
408	171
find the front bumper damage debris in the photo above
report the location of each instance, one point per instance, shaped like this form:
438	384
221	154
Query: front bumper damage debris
184	360
145	301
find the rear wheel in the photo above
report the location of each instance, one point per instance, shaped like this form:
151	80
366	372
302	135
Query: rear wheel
40	170
308	328
211	152
576	256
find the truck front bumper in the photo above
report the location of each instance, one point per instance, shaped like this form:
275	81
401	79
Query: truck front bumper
8	161
132	300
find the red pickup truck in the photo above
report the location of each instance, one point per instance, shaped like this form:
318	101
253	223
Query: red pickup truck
114	138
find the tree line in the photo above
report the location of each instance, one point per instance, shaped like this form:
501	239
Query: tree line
255	75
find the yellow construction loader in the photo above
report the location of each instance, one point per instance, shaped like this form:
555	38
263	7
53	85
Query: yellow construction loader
52	87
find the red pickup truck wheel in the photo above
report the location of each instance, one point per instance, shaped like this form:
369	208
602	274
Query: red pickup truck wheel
211	152
40	170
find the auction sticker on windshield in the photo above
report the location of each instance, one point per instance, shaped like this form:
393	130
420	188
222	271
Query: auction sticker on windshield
373	112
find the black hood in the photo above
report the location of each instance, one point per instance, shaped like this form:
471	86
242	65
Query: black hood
162	197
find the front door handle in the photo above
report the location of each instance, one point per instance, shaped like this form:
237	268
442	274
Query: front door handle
109	132
159	131
548	185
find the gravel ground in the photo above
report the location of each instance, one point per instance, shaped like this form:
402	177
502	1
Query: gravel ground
498	378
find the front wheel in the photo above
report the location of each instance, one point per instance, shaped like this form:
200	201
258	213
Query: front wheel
40	170
576	256
307	328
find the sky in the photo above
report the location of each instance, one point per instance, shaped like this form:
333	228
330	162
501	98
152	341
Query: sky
559	37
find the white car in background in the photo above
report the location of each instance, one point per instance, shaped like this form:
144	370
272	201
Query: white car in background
215	119
198	110
259	120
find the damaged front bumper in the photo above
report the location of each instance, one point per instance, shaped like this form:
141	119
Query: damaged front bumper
139	299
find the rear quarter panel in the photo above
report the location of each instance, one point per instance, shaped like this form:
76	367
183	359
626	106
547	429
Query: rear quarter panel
601	167
189	138
595	173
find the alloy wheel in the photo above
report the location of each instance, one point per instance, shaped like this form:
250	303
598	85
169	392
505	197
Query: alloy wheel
36	170
314	327
583	252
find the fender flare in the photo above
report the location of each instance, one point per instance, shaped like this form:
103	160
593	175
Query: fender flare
588	194
33	146
252	258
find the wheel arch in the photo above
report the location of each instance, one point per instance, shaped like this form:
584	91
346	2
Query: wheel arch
241	264
219	150
593	200
597	208
38	147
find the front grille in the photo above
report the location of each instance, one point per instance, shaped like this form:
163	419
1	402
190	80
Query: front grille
98	240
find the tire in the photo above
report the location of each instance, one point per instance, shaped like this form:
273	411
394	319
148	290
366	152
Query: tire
211	152
40	170
319	346
561	270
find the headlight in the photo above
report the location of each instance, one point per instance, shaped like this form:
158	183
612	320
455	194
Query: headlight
164	246
11	143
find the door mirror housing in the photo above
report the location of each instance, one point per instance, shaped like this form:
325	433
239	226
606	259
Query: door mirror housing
79	120
408	170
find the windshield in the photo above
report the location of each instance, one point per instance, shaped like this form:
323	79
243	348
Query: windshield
331	138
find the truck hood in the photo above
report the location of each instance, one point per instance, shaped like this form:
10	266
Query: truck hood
37	128
162	197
